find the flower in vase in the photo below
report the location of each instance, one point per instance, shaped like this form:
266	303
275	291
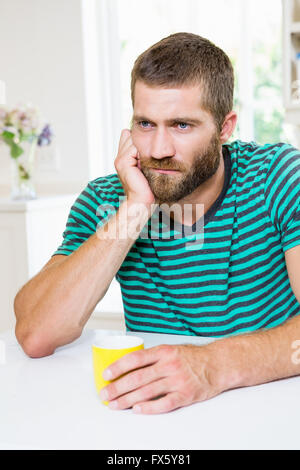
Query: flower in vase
23	123
20	125
45	136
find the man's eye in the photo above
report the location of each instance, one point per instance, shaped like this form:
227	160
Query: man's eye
181	124
146	124
141	123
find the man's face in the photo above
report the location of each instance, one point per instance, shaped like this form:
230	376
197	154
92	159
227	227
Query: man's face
171	131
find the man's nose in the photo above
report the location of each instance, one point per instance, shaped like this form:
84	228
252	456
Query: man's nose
162	144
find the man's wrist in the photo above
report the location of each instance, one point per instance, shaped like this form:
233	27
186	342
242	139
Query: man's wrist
133	216
214	365
145	207
226	363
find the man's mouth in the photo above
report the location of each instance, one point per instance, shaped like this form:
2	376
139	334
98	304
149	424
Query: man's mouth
164	171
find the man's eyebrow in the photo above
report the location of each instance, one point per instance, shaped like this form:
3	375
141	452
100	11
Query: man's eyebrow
169	121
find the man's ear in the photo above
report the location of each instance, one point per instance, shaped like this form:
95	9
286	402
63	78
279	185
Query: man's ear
228	126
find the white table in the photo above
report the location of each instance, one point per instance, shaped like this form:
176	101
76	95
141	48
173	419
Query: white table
51	403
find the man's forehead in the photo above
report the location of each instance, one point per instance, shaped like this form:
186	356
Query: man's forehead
142	89
174	102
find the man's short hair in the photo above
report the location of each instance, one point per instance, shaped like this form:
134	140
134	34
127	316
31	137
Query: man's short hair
186	59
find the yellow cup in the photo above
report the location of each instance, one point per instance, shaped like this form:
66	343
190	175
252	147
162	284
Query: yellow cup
108	350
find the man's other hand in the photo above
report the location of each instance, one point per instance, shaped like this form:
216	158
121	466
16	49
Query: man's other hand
163	378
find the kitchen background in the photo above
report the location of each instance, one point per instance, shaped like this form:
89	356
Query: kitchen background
73	58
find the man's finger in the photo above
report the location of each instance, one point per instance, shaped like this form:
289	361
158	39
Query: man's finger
147	392
131	361
169	402
129	382
125	134
138	160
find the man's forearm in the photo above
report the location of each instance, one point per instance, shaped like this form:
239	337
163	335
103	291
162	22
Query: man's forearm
179	375
258	357
53	308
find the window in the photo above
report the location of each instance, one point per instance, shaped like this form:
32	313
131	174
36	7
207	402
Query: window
141	24
249	31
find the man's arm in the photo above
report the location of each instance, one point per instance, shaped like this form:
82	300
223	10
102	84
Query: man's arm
292	259
184	374
53	307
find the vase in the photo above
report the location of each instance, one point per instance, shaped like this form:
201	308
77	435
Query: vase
23	173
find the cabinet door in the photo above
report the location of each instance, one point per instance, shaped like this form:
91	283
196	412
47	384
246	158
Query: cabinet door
27	241
44	228
14	265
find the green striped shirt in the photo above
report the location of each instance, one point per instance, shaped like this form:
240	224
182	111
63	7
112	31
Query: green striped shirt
226	274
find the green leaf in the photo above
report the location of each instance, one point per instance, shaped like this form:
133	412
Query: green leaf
7	135
16	150
24	175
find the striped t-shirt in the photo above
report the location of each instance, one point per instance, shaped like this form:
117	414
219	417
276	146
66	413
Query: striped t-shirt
226	277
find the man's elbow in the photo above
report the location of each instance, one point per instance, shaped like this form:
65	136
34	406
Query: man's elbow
35	350
40	342
33	344
36	336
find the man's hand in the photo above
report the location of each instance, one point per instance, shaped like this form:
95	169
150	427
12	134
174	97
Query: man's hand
163	378
127	164
166	377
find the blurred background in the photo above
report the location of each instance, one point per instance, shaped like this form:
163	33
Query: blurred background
73	59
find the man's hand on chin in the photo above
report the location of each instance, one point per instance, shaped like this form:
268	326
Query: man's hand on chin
164	378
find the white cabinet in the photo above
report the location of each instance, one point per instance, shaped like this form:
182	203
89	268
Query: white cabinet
30	232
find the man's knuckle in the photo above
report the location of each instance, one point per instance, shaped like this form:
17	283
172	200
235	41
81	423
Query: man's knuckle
175	365
171	402
158	369
135	359
177	352
137	378
188	390
181	382
165	349
123	403
111	391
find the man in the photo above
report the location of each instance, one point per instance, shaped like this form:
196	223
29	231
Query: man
235	278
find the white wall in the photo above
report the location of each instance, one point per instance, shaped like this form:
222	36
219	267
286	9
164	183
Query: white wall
41	61
62	55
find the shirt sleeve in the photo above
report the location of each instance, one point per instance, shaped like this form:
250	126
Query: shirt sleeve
86	215
282	194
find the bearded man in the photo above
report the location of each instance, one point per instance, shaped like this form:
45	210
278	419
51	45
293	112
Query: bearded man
227	268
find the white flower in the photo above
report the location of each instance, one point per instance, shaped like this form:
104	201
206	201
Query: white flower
11	129
25	118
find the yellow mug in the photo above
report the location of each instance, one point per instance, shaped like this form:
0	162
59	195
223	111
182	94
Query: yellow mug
108	350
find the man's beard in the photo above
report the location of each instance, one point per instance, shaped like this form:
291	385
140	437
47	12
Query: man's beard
174	187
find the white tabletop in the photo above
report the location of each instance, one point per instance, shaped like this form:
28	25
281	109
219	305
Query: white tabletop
51	403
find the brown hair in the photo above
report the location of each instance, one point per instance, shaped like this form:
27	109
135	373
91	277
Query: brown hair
188	59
